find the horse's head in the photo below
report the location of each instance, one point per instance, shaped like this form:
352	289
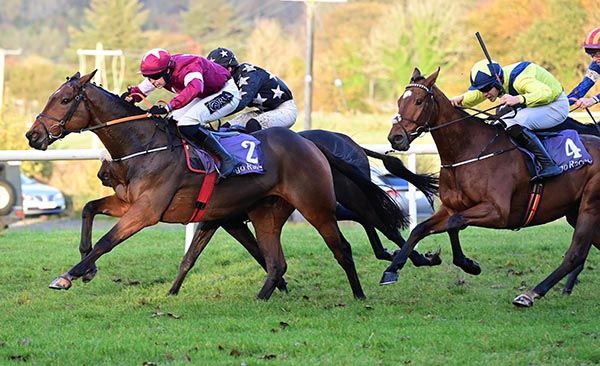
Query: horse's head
416	110
65	112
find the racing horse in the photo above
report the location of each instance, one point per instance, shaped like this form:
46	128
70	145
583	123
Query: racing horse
484	181
159	186
359	207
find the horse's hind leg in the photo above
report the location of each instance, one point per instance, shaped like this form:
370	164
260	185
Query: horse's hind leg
572	280
574	258
111	206
327	226
268	219
240	232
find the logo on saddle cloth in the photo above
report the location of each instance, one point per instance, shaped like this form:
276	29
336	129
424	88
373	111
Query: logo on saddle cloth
245	148
565	148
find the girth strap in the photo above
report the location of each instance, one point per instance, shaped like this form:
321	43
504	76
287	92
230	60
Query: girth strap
206	190
534	202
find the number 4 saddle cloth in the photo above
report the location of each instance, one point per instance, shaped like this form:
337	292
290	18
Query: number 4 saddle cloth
565	148
245	148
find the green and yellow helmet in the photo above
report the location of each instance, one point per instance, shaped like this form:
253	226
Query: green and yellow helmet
483	75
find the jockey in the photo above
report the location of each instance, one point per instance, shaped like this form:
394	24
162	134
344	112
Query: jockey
205	92
591	44
258	88
531	87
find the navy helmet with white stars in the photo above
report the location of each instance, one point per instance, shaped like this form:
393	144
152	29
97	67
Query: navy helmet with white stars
223	57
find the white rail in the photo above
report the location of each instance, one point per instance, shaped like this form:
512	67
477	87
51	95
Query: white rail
94	154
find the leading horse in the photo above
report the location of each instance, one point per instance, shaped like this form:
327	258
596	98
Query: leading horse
159	187
491	192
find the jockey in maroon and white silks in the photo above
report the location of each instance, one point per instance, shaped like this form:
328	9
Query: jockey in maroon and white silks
205	92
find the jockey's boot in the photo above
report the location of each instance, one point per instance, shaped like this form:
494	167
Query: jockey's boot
528	140
228	161
253	125
203	138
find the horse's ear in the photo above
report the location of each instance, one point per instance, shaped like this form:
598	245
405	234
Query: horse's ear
86	78
432	78
416	73
75	76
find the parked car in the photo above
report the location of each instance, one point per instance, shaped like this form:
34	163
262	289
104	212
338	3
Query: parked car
397	188
41	199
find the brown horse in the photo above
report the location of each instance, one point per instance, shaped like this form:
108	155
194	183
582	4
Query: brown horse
159	187
492	192
360	207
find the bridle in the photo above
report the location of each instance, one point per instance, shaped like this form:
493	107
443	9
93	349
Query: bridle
80	97
427	128
421	128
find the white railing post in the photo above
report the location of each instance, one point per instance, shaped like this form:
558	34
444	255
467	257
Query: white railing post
189	235
412	192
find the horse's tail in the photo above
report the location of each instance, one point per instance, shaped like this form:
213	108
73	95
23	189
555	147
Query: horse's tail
426	183
387	210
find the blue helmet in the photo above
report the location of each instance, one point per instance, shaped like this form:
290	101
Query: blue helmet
482	76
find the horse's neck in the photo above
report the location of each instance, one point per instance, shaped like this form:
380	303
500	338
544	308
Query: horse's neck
461	140
123	138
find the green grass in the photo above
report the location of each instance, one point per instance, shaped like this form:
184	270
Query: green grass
433	316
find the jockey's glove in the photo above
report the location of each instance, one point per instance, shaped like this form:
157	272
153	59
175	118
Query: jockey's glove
158	110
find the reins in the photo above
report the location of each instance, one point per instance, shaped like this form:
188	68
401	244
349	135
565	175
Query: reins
81	97
427	128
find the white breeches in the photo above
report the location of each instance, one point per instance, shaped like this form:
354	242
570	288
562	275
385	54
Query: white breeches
211	108
282	116
542	117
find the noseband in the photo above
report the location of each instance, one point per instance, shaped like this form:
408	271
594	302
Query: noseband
420	128
63	121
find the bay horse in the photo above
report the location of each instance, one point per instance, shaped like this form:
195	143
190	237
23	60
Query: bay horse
484	181
159	186
359	207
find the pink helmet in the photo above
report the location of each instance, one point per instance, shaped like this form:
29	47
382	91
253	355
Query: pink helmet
592	41
155	61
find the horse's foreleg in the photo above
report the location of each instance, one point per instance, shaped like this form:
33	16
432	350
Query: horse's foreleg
109	205
136	218
200	240
573	259
381	253
458	257
478	215
435	224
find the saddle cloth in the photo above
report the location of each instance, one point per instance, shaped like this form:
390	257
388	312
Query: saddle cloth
565	148
245	148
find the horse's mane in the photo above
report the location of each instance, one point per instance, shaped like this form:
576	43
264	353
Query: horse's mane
116	101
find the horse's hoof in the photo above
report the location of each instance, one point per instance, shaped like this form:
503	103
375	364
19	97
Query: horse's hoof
472	267
60	283
434	258
388	278
173	292
523	301
282	286
89	275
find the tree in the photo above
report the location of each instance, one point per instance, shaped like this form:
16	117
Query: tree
421	36
213	24
116	23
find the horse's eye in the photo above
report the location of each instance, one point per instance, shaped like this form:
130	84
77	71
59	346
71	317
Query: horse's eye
64	101
419	102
